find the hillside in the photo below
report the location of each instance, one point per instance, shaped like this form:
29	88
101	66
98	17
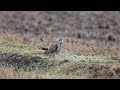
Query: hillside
91	44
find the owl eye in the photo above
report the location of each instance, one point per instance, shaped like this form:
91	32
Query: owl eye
60	39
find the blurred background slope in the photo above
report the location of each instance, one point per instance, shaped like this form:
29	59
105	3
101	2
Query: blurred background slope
36	26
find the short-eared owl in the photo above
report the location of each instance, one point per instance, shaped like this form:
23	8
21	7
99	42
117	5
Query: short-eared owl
55	46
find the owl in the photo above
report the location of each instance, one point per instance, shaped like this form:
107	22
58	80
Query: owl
55	47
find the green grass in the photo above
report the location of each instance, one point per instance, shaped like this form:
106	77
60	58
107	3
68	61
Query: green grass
53	65
29	50
19	48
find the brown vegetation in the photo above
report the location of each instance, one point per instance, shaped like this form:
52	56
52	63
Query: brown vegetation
85	32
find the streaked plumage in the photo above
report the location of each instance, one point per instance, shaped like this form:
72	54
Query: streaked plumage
55	46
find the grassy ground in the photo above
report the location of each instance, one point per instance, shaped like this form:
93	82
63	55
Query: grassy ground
92	44
22	60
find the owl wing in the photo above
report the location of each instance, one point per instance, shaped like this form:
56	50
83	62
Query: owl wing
53	48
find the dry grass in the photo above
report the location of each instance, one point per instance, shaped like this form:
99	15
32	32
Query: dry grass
81	47
9	73
68	70
92	48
